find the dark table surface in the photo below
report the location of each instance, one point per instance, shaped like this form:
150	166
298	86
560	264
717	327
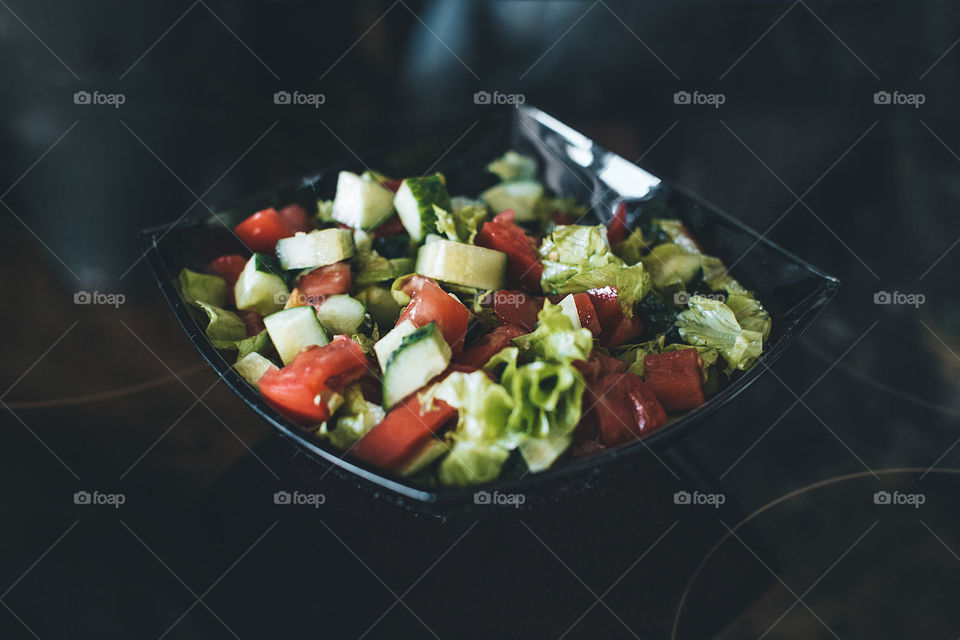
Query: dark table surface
113	400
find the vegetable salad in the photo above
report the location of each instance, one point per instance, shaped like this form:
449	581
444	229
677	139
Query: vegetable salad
457	339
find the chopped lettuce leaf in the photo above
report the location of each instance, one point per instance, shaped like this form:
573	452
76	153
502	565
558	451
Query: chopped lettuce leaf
259	343
225	329
671	267
470	462
463	221
481	441
716	276
632	283
512	167
555	339
573	249
547	399
353	420
200	287
750	313
632	249
710	323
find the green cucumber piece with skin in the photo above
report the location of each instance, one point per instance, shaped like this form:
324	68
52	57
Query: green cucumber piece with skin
414	204
463	264
523	197
569	308
252	367
341	314
381	306
260	287
293	329
361	202
421	356
315	249
390	342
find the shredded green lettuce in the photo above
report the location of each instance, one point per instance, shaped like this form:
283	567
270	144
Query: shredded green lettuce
632	283
632	249
481	442
200	287
513	167
353	420
671	267
716	277
571	250
567	206
225	328
463	221
711	323
750	313
547	399
555	339
259	343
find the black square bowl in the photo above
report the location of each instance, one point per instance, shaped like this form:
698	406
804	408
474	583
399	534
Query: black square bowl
571	165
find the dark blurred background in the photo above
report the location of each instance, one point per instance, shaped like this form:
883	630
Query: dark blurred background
98	398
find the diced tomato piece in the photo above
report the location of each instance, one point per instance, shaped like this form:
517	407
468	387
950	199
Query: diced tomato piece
314	287
261	231
617	230
624	408
252	320
523	263
489	345
391	227
403	434
617	328
676	378
599	365
507	215
429	303
517	307
295	218
587	313
300	389
228	267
